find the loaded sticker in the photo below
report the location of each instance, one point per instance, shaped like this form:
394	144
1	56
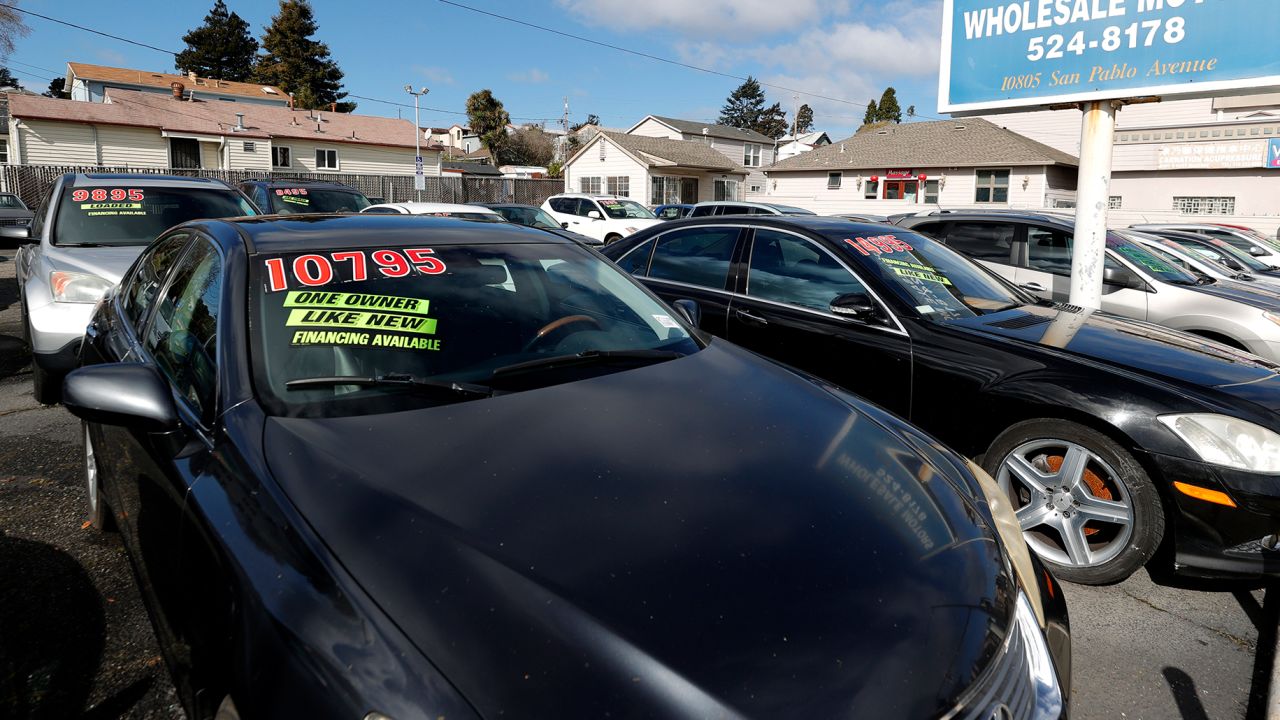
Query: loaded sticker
361	319
114	201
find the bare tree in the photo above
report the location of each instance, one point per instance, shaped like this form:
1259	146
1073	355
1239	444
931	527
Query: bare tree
12	27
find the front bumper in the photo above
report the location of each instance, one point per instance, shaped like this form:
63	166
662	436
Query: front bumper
54	325
1215	540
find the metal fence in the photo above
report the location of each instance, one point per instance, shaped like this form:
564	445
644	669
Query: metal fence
31	182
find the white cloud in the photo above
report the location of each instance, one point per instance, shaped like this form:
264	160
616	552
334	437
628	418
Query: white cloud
435	74
700	18
532	75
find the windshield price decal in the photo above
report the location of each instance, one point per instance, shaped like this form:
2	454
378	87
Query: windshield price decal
878	245
314	269
916	271
103	195
389	303
291	191
294	200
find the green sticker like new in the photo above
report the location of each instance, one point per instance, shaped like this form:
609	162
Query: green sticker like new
315	317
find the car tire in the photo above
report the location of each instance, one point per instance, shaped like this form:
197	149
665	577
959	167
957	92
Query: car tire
612	238
99	513
46	388
1087	507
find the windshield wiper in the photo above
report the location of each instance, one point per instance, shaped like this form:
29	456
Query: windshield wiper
402	380
586	357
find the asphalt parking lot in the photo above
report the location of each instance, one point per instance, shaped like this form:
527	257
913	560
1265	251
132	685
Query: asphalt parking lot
75	640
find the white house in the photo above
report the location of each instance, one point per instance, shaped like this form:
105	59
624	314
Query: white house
926	165
746	149
145	130
91	83
652	170
804	142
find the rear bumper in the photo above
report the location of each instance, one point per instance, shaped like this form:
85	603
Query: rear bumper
1216	540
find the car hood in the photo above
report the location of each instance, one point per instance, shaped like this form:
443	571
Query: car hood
576	237
706	537
1252	294
1145	348
105	262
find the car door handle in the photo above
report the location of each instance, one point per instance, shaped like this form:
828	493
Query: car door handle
750	317
1032	286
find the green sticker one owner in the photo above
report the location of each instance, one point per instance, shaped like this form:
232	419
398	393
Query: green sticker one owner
357	312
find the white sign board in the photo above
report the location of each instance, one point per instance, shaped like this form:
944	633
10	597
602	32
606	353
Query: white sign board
1212	156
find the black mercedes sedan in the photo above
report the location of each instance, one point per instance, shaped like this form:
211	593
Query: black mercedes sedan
405	467
1108	434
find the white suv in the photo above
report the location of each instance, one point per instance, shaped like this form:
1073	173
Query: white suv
604	217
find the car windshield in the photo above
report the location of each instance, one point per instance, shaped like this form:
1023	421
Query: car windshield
619	209
125	215
938	282
294	200
474	216
11	202
1147	262
1226	248
531	216
411	323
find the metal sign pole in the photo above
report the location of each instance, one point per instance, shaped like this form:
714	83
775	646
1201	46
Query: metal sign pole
1092	196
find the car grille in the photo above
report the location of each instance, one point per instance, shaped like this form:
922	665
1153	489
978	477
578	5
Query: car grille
4	221
1022	321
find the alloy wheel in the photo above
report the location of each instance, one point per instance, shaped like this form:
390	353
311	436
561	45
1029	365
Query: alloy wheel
91	473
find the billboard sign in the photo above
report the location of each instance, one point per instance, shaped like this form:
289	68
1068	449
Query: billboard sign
1273	154
1006	55
1212	156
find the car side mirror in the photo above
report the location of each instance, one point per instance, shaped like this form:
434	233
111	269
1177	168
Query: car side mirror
689	310
1121	277
129	394
1257	251
564	226
595	215
856	306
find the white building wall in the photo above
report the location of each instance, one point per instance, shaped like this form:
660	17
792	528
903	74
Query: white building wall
958	188
45	142
238	159
653	128
615	163
360	159
133	147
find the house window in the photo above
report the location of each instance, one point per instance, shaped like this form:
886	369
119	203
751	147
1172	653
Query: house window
1205	205
931	192
326	159
833	180
755	188
184	153
871	190
604	149
280	157
1114	202
727	190
4	151
620	186
250	147
751	155
672	190
589	185
993	186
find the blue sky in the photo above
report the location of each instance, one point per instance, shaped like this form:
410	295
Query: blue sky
843	49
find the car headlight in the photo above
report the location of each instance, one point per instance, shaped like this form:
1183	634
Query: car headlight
1010	532
74	287
1228	441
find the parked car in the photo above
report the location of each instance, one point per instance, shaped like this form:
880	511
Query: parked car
724	207
604	217
1034	251
1246	239
15	217
352	495
1197	263
673	211
87	230
454	210
535	217
1219	251
863	217
292	197
1099	427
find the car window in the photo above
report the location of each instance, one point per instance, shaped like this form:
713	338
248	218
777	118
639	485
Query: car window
789	269
380	211
636	261
148	275
1049	250
704	210
1170	258
1152	265
182	335
37	221
697	256
301	200
932	229
569	206
982	240
11	202
623	209
135	215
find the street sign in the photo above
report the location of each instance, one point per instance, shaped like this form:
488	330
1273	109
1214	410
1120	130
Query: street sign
419	181
1000	55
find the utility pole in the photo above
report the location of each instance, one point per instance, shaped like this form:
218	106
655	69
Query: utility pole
419	181
1089	248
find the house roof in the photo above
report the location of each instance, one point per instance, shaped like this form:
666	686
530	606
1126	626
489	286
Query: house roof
809	138
147	78
693	127
470	168
971	142
218	117
654	151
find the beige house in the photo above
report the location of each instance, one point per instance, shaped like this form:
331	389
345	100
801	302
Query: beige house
748	150
926	166
147	130
92	82
652	170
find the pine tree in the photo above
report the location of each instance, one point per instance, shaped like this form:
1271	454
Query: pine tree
221	48
804	119
744	106
489	120
873	113
889	110
7	80
911	111
57	89
296	63
772	122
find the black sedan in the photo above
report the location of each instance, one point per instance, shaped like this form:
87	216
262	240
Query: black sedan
372	467
1107	433
535	217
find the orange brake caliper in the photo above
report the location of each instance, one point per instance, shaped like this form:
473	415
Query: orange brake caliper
1097	488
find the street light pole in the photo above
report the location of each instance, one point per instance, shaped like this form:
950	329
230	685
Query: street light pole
419	182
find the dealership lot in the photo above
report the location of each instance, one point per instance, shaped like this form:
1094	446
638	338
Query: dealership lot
77	637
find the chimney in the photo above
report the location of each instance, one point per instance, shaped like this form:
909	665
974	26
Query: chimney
239	123
290	101
177	88
333	107
191	74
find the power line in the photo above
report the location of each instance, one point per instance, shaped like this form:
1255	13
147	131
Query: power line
642	54
91	30
33	67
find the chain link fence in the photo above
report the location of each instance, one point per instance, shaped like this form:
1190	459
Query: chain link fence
31	182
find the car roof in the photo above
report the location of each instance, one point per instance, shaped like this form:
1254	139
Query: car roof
296	182
821	224
294	233
419	208
142	180
952	215
588	196
495	205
